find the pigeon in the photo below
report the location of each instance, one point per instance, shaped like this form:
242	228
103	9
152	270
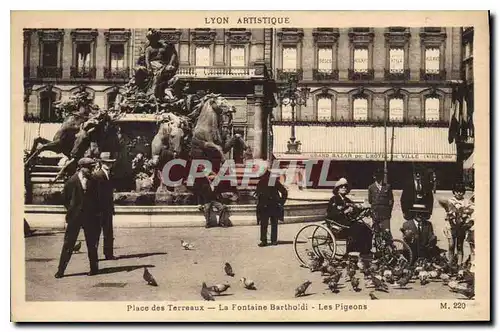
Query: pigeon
77	247
301	290
379	284
404	281
333	286
205	293
326	280
350	273
248	284
373	296
355	284
148	277
220	288
229	270
423	276
445	278
186	245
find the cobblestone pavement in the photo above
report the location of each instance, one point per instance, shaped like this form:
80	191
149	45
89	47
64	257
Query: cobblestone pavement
180	272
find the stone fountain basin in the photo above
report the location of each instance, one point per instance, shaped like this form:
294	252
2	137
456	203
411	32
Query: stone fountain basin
129	216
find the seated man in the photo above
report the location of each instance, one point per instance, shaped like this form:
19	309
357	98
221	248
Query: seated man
418	233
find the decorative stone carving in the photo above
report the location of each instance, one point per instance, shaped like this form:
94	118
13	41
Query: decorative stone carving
290	35
170	35
238	36
50	35
117	35
325	36
84	35
203	36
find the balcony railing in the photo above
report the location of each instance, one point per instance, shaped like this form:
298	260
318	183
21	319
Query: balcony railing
361	75
325	75
49	72
83	72
213	71
437	76
117	73
286	74
403	75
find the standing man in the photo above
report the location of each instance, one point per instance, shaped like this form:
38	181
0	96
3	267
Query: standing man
79	195
105	204
381	200
271	198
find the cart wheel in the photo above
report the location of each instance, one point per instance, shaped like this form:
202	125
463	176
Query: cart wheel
314	239
341	249
403	249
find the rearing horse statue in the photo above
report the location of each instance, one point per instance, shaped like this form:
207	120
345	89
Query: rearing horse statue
211	139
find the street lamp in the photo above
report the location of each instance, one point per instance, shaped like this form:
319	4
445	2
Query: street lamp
292	95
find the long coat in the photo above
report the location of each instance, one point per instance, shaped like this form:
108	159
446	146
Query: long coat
271	199
104	186
80	204
336	209
421	241
411	196
381	201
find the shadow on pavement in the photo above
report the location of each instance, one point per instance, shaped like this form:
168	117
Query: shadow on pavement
146	254
287	242
116	269
35	234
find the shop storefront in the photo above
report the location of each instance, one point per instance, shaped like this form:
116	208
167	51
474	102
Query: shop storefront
356	152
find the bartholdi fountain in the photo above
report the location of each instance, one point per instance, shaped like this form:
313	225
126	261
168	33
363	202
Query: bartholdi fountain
156	118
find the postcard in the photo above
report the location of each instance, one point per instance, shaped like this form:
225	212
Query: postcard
189	166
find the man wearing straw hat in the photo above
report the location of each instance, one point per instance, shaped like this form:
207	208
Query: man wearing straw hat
105	203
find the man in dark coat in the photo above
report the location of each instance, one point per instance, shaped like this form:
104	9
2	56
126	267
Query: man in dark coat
80	199
381	200
417	192
419	234
271	198
105	204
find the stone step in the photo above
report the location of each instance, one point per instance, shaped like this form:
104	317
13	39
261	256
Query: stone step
46	168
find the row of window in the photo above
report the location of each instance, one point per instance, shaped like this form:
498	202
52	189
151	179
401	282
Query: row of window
361	61
360	110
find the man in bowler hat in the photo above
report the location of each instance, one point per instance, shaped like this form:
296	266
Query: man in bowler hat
80	199
105	203
381	200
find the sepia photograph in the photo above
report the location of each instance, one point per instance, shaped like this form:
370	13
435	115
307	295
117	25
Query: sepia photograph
244	166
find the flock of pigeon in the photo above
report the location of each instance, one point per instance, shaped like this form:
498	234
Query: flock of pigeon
376	275
207	293
380	277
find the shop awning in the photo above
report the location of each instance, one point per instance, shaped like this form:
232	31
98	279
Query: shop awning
366	143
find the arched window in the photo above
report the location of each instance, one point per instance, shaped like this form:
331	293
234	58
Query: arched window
286	112
47	109
360	109
324	109
396	109
431	109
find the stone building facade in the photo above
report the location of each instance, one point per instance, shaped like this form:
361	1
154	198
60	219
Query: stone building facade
358	76
233	62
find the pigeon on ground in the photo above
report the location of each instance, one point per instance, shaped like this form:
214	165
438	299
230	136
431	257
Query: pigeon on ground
467	292
77	247
220	288
186	245
373	296
229	270
404	281
355	284
333	286
248	284
379	284
148	277
351	273
326	280
445	278
205	293
423	276
301	290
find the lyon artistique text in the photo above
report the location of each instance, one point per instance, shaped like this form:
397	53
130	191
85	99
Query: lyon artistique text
271	20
